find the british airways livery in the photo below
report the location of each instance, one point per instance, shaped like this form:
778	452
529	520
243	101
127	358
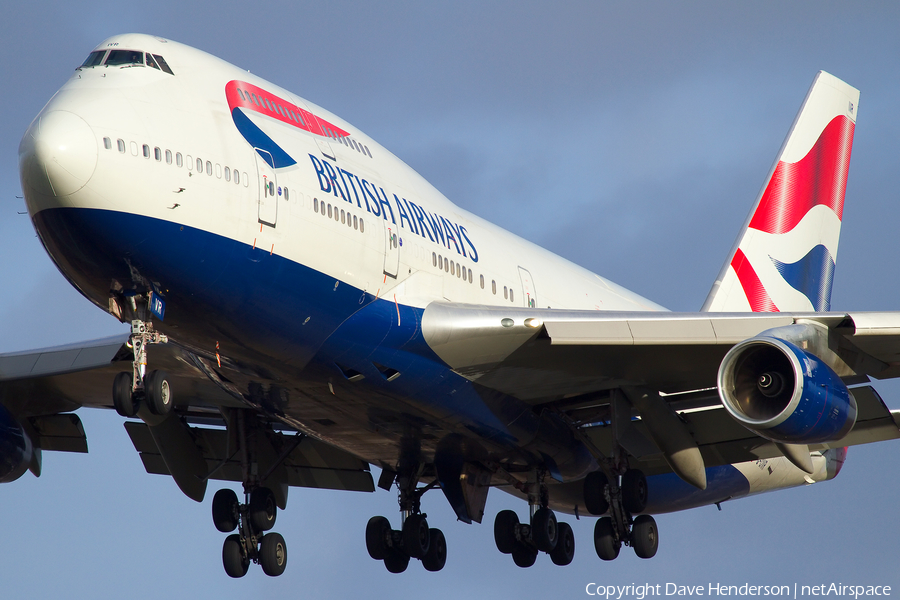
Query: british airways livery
304	305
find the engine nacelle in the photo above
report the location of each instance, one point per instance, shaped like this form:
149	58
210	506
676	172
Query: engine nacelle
16	449
785	394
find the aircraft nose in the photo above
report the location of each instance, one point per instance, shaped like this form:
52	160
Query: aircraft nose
58	154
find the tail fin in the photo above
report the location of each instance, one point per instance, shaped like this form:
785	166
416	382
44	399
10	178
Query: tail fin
783	259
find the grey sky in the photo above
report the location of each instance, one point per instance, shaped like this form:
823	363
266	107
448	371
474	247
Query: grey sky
631	138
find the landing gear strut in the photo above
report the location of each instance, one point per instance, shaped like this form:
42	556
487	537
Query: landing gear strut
130	390
252	519
415	539
543	534
621	500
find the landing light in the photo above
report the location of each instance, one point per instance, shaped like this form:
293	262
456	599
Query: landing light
532	322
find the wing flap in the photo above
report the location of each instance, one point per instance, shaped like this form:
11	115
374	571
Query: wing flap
311	464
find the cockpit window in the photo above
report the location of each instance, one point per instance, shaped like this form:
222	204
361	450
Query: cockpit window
94	58
124	57
151	62
162	64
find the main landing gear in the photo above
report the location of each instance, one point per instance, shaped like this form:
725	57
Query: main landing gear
621	501
415	539
130	390
543	534
252	520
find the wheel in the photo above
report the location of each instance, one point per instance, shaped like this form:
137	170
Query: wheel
605	542
235	561
262	509
564	552
158	392
225	510
416	536
595	501
505	524
395	561
377	531
123	399
524	556
645	536
544	530
634	491
436	557
273	554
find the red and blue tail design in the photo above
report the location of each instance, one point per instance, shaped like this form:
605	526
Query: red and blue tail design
784	258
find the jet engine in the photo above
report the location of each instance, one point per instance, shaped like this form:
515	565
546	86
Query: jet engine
16	449
785	394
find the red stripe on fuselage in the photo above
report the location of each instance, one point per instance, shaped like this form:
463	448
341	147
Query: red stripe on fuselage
265	103
820	177
753	288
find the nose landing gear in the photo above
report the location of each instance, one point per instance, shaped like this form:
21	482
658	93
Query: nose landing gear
130	390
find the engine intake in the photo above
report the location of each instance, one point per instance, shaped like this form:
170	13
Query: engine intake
785	394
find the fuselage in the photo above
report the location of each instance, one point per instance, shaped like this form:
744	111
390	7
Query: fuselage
293	245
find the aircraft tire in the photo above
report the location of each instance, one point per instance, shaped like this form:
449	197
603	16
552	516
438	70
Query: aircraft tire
416	536
605	542
524	556
505	524
564	552
544	530
123	398
645	536
595	493
234	560
634	491
225	510
436	557
263	509
377	531
273	554
158	392
396	561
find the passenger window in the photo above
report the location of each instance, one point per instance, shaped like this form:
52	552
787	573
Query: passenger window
505	293
199	165
481	279
343	220
218	171
241	94
470	275
440	261
272	188
157	154
190	162
120	144
434	259
146	150
446	265
237	176
168	157
367	151
178	160
315	205
329	211
208	168
355	222
134	149
107	143
286	196
227	174
494	286
151	62
511	298
362	226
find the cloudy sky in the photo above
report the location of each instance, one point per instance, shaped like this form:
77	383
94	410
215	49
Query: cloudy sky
631	138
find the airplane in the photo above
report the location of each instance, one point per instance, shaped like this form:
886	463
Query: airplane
303	305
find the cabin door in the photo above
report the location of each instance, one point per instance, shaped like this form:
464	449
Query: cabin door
391	249
527	288
268	187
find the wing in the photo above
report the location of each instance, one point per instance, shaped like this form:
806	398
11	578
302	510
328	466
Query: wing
40	389
574	361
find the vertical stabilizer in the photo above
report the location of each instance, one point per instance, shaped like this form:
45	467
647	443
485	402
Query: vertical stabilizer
784	257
